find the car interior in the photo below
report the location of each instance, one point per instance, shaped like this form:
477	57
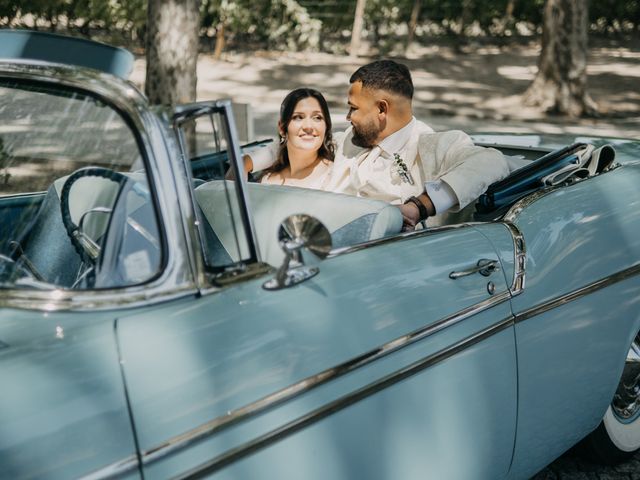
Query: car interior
95	202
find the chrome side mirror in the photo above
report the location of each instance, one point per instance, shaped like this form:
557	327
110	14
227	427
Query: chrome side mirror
295	233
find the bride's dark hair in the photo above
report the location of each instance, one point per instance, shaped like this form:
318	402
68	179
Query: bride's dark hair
327	149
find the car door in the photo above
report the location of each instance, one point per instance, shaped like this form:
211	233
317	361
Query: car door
380	366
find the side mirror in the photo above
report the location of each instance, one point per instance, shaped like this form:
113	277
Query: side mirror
299	232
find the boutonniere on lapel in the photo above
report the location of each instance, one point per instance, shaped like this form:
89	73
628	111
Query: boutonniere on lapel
399	171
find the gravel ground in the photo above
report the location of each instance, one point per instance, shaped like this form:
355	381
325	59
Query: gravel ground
573	466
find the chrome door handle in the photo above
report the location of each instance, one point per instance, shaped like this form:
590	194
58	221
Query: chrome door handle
484	267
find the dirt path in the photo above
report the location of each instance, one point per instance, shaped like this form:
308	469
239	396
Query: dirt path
476	90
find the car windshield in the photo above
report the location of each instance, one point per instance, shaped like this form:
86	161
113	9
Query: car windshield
72	212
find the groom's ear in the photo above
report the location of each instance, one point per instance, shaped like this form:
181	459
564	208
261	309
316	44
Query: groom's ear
383	107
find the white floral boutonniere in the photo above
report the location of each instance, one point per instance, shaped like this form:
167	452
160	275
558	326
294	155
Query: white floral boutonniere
400	170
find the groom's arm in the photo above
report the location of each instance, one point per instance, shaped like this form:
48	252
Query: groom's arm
463	171
256	160
466	168
261	158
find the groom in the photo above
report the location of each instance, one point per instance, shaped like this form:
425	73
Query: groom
388	155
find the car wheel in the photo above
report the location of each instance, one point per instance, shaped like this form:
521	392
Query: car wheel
617	438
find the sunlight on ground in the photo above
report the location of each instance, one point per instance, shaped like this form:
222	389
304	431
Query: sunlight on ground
619	53
479	88
621	69
518	73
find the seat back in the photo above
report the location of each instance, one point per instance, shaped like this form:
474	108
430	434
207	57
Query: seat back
47	246
349	219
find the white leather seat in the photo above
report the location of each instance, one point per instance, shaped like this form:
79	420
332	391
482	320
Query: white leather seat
349	219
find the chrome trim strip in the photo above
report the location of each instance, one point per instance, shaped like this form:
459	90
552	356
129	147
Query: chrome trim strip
204	431
395	238
341	403
24	195
576	294
520	259
516	208
70	300
114	470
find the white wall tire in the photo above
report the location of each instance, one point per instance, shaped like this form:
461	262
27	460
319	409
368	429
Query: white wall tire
617	438
625	436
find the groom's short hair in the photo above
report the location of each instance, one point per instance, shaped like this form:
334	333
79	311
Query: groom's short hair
385	75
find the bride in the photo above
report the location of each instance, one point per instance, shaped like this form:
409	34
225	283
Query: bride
306	150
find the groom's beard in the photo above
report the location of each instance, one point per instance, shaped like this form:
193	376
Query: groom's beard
365	136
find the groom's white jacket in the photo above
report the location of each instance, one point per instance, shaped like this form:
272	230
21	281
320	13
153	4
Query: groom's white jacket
450	157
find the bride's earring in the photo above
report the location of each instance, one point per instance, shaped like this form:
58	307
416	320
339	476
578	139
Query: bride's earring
283	139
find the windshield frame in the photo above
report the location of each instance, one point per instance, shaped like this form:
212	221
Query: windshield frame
174	277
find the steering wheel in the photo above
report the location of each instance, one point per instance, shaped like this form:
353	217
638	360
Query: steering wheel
88	249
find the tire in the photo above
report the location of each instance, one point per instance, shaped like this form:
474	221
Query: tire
617	438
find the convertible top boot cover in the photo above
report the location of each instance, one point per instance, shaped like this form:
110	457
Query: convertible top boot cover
25	44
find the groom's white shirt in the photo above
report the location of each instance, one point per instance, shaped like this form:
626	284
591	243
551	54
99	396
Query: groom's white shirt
448	165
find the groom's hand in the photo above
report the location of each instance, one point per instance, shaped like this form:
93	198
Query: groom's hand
416	209
410	216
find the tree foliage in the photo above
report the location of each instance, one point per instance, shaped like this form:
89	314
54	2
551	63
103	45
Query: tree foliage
274	24
313	24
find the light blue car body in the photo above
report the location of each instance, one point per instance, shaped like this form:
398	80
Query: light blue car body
380	366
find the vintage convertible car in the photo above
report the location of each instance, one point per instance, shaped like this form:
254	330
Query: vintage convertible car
158	321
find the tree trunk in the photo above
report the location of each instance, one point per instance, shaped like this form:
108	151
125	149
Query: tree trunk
465	20
220	41
511	6
172	51
356	33
560	85
413	22
509	21
465	16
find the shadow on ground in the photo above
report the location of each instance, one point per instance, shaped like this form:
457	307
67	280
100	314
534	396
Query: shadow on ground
477	88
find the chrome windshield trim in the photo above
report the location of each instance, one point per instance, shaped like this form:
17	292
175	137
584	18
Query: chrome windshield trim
341	403
175	278
185	440
114	470
579	293
520	259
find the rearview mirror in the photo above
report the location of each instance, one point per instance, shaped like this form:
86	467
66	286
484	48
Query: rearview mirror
298	232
